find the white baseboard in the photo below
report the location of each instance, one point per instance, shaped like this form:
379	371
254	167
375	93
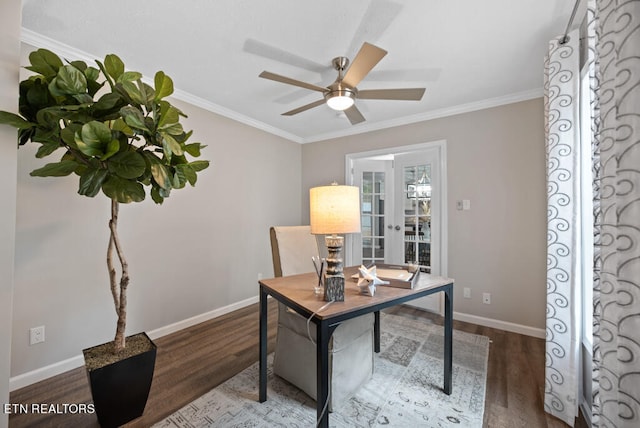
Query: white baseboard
46	372
177	326
60	367
501	325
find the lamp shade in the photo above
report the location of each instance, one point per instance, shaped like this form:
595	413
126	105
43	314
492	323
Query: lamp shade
334	209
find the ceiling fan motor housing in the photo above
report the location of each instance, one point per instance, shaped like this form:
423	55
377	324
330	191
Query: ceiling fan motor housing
339	96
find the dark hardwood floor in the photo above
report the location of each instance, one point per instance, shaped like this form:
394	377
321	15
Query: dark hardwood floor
195	360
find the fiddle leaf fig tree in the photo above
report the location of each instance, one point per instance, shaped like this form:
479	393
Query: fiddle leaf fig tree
117	134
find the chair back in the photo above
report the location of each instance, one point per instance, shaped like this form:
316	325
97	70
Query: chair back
291	249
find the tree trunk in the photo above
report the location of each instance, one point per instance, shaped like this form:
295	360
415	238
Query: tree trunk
118	291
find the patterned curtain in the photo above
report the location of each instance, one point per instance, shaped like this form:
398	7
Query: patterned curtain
562	132
616	359
613	58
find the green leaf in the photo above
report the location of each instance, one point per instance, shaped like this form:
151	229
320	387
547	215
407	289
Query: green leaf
91	181
168	116
14	120
108	101
133	117
163	84
186	174
47	148
174	129
170	145
120	125
129	76
57	169
132	91
92	73
93	138
147	92
68	135
80	65
127	165
44	62
199	165
112	148
96	132
122	190
193	149
155	195
69	81
83	98
37	96
114	66
159	171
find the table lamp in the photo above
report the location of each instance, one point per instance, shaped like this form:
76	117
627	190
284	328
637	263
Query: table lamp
334	210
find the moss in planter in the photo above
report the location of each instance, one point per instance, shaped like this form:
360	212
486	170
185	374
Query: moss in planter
103	355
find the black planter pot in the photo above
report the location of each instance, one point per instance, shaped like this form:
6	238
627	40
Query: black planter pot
120	389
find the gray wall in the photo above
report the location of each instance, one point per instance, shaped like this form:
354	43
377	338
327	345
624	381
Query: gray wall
201	250
496	158
10	18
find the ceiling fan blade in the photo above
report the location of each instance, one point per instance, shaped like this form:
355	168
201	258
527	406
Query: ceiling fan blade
411	94
290	81
379	15
354	115
274	53
304	108
405	75
367	58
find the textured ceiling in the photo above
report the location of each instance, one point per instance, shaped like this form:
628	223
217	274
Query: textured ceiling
468	54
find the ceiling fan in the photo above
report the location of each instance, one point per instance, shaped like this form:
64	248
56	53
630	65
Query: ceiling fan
342	93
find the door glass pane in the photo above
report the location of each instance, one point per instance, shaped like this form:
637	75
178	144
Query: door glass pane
417	214
372	220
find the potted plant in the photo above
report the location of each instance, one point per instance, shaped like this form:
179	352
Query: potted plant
119	135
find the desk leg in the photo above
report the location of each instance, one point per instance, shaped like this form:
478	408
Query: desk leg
323	334
376	332
263	346
448	338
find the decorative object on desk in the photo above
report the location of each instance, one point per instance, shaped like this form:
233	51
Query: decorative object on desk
368	279
318	264
398	276
405	391
334	210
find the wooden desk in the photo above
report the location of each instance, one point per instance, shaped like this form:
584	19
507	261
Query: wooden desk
296	292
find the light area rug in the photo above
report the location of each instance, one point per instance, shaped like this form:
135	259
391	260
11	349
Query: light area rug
405	391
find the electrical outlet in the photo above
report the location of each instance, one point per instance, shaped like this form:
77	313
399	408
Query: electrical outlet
486	298
467	292
36	335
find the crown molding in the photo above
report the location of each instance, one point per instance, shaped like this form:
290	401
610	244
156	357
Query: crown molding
38	40
231	114
430	115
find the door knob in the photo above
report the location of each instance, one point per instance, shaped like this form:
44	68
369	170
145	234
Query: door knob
397	227
390	226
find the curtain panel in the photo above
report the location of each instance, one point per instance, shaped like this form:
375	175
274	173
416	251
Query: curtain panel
616	373
562	132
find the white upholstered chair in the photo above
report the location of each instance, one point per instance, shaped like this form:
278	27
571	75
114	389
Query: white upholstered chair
295	355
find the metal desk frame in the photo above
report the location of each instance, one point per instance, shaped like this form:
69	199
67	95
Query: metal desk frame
327	321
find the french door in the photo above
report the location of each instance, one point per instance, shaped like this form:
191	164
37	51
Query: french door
402	210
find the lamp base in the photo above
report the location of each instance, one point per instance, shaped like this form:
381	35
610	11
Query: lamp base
334	289
334	278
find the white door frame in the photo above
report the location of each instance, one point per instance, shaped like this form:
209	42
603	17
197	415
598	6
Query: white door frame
441	147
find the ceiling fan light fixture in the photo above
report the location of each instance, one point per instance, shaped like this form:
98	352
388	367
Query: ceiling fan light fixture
340	100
